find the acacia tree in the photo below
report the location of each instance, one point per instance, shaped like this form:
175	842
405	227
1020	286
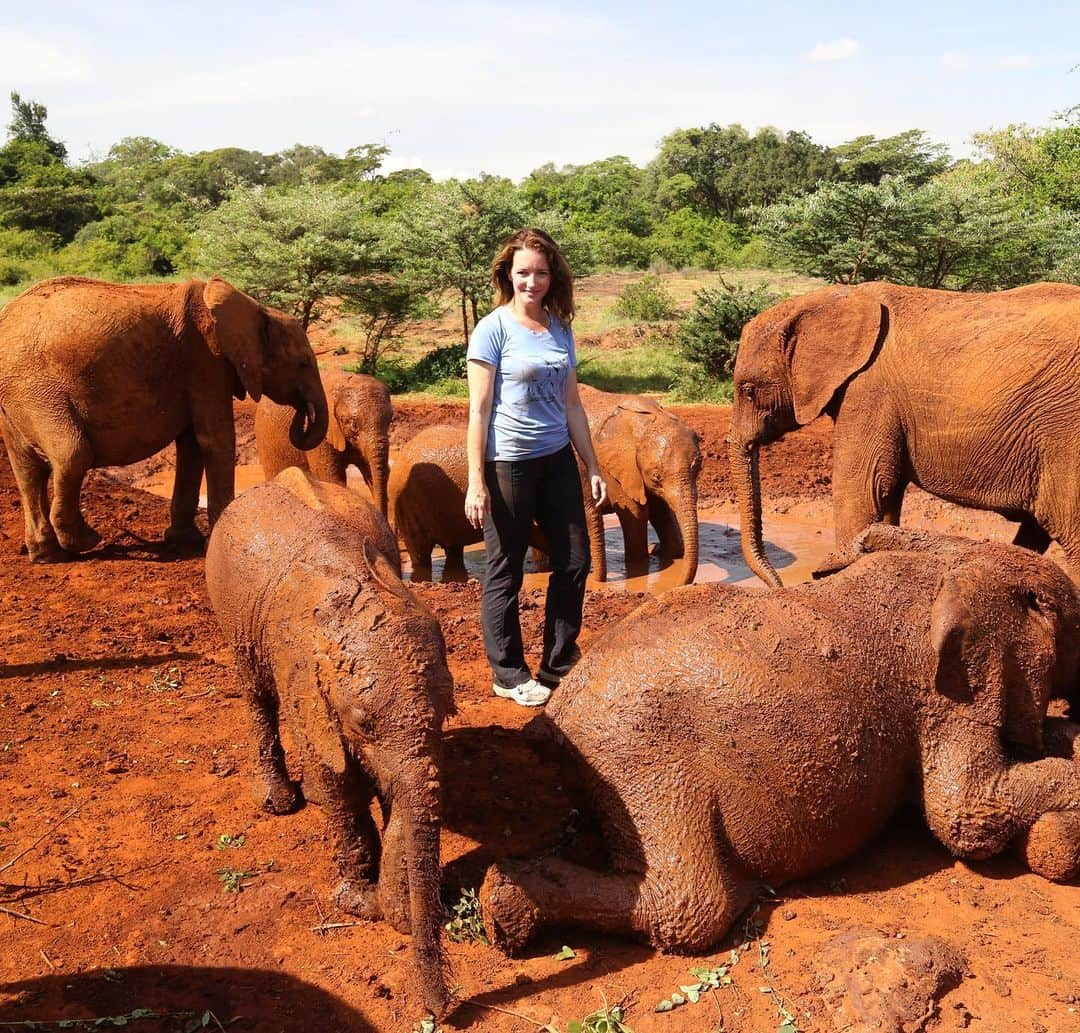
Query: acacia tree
295	247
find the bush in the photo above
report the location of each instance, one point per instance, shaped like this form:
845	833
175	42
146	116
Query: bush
441	370
647	301
709	337
440	364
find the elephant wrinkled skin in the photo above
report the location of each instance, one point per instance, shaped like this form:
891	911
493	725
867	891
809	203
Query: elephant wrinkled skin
780	735
304	578
973	397
358	434
102	374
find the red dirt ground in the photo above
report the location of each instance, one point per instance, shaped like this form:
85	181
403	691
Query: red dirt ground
120	717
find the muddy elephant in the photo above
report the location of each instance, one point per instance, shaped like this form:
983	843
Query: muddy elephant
103	374
973	397
650	460
730	738
303	577
358	434
427	500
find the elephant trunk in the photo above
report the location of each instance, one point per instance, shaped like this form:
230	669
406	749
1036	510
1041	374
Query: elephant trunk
743	458
380	474
686	518
420	800
309	424
594	523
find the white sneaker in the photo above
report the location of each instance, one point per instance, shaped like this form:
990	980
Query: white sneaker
528	694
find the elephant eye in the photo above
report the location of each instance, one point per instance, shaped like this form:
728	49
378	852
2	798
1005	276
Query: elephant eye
747	390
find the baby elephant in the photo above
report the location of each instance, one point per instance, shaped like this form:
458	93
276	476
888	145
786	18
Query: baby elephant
304	579
780	736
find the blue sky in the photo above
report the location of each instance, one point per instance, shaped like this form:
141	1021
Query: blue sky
505	87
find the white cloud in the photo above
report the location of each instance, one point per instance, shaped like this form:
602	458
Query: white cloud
957	62
834	50
30	60
1015	61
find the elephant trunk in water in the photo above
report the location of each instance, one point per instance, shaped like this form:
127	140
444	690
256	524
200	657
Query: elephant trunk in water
419	799
685	511
308	426
743	458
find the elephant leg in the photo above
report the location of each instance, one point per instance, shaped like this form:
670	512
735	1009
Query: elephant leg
686	901
32	477
275	792
455	569
70	460
635	529
868	486
185	497
420	559
346	798
217	445
1030	535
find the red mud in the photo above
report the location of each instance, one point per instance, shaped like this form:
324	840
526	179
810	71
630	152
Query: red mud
120	714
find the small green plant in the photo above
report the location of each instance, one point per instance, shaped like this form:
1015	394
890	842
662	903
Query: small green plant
227	841
233	881
566	954
427	1025
166	679
706	980
647	301
466	924
603	1020
187	1021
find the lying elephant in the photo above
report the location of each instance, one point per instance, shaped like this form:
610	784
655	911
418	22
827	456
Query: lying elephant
781	734
973	397
304	579
105	374
358	434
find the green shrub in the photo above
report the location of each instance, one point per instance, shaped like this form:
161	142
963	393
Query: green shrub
647	301
440	364
709	336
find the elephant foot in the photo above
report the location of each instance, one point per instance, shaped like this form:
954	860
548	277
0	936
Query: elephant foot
510	917
358	897
48	552
185	537
82	539
279	797
1051	847
421	572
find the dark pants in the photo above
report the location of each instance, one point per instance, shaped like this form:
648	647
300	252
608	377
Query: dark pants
547	490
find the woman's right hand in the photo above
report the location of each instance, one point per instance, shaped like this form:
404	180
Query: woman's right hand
477	505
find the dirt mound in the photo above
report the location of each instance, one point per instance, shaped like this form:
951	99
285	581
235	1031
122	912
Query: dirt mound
137	874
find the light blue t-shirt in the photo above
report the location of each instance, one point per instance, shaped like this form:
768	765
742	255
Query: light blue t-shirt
528	417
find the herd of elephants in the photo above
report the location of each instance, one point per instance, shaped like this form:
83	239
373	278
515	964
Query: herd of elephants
768	744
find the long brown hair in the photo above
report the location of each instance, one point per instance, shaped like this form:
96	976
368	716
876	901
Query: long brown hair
559	300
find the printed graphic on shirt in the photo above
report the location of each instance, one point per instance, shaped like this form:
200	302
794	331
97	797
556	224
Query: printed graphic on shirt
545	382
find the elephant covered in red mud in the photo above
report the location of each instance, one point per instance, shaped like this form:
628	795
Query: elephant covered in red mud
304	578
731	738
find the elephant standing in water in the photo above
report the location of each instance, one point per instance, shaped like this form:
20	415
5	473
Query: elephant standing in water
304	578
973	397
650	460
104	374
731	738
358	434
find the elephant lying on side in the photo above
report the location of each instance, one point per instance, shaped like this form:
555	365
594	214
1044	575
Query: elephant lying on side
303	576
779	737
104	374
973	397
358	434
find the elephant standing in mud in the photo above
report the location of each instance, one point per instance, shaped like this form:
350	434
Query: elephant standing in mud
731	738
304	578
103	374
358	434
973	397
650	461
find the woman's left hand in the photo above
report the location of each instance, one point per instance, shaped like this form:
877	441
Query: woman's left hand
598	486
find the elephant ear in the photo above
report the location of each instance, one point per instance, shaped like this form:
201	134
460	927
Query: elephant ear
239	332
618	457
831	337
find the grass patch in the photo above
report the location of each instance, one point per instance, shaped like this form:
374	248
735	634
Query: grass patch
648	368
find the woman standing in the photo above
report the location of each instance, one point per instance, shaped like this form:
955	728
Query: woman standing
524	412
